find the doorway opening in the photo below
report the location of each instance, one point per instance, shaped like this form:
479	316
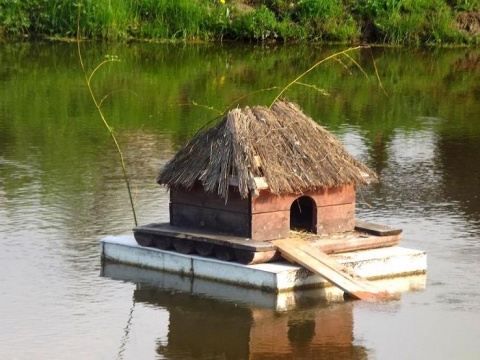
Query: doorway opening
303	214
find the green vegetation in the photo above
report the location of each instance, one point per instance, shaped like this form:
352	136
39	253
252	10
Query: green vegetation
411	22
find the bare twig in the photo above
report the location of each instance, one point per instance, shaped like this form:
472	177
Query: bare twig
98	106
312	68
357	64
376	73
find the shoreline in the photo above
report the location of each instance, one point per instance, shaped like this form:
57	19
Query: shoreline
433	23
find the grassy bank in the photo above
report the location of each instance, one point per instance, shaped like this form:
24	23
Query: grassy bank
411	22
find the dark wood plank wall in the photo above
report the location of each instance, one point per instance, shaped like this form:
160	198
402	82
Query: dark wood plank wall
264	217
225	222
196	197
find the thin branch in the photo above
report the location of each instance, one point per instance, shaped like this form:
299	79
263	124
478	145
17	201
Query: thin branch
116	91
344	65
315	87
193	103
376	73
228	107
100	112
98	67
312	68
357	64
237	100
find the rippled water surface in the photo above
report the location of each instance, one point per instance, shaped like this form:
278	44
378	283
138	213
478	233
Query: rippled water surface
61	190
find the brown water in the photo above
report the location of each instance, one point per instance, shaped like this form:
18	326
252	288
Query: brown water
61	190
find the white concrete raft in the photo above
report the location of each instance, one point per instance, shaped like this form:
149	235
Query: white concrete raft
278	277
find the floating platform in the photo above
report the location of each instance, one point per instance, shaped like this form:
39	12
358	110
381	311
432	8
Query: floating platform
227	247
276	277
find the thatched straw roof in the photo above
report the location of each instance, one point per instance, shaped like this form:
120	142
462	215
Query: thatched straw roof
280	148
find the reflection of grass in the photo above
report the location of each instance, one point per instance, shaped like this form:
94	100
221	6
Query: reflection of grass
418	83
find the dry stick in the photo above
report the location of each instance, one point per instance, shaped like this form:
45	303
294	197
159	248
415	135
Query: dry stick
376	73
314	87
119	150
343	64
357	64
227	108
245	96
363	199
100	112
194	103
113	92
312	68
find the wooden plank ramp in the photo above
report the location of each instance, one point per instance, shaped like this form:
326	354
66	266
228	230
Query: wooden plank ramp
315	260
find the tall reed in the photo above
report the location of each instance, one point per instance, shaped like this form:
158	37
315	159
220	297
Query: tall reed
338	57
98	105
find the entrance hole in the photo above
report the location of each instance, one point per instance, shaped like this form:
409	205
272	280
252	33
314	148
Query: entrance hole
303	214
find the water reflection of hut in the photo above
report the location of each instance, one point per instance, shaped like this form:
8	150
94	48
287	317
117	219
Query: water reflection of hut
261	172
201	328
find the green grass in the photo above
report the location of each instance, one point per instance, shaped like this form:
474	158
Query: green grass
415	22
412	22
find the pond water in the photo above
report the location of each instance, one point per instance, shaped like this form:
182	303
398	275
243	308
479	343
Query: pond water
61	191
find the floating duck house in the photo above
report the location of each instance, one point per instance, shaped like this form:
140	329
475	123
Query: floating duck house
261	185
262	172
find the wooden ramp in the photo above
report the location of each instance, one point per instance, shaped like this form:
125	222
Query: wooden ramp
315	260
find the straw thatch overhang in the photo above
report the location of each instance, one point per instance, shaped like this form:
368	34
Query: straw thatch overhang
279	149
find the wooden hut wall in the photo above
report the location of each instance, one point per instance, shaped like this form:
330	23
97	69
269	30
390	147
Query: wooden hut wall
265	217
270	225
335	212
335	209
197	209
